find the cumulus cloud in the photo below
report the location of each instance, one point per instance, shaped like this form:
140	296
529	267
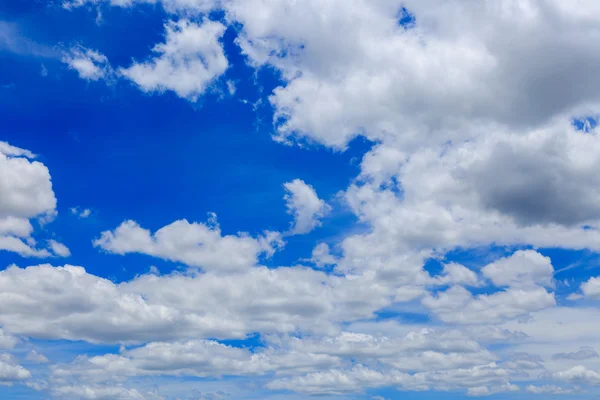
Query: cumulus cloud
25	194
578	375
89	64
189	60
303	203
458	305
10	371
523	268
471	109
194	244
321	256
75	305
591	288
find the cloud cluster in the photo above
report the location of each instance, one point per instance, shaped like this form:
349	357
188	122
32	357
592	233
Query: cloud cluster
472	110
25	194
303	203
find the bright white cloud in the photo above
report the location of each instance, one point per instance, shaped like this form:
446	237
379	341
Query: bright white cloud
578	375
194	244
303	203
89	64
522	269
458	305
25	193
470	110
189	60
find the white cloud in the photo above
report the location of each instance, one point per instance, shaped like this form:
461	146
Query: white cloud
36	357
458	305
591	288
548	389
81	213
578	375
10	371
522	269
68	303
321	256
303	203
89	392
59	249
194	244
25	193
7	341
471	111
485	391
187	63
454	273
89	64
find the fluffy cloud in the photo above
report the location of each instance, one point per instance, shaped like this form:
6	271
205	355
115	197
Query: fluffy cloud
458	305
69	303
591	288
194	244
578	374
10	371
335	381
303	203
523	268
187	63
471	111
89	64
25	193
191	358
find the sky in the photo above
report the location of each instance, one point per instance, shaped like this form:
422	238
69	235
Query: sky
284	200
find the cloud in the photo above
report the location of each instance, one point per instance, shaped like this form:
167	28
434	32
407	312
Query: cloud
523	268
458	305
578	375
548	389
591	288
189	60
7	341
59	249
13	40
321	256
89	64
27	194
68	303
10	371
303	203
584	353
485	391
81	213
89	392
36	357
194	244
199	358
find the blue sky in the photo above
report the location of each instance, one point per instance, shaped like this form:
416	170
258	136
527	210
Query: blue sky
278	200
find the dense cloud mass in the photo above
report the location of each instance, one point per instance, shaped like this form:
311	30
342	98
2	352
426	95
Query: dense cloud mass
473	112
25	194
